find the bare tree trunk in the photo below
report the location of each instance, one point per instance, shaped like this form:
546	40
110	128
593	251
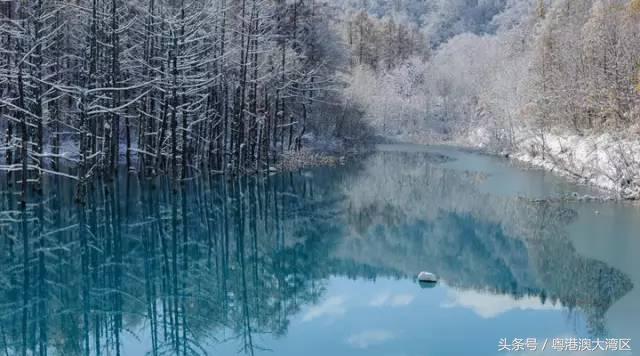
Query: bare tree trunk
24	154
174	109
115	96
38	92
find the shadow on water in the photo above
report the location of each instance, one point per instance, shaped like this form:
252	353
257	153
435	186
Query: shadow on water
225	260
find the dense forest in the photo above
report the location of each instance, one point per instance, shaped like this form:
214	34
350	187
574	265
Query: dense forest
179	87
499	64
159	87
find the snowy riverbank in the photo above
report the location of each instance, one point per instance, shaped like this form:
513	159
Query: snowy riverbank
608	161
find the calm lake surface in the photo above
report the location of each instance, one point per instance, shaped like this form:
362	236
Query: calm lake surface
320	262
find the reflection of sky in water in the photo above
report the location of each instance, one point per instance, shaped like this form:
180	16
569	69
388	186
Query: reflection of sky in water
397	317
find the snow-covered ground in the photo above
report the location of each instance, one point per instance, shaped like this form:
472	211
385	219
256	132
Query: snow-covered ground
609	161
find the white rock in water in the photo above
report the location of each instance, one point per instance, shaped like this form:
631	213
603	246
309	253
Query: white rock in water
427	277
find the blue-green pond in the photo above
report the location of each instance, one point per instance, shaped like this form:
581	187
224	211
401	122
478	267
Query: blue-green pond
320	262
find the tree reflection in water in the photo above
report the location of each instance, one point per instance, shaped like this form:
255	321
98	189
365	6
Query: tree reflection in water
224	260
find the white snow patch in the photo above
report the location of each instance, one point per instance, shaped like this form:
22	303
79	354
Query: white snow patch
609	161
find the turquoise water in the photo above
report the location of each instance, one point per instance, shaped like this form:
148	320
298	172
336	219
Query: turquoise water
320	262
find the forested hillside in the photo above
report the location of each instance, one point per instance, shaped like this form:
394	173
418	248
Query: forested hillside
554	83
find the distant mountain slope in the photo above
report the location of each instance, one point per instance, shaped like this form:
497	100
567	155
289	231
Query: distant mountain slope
440	20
